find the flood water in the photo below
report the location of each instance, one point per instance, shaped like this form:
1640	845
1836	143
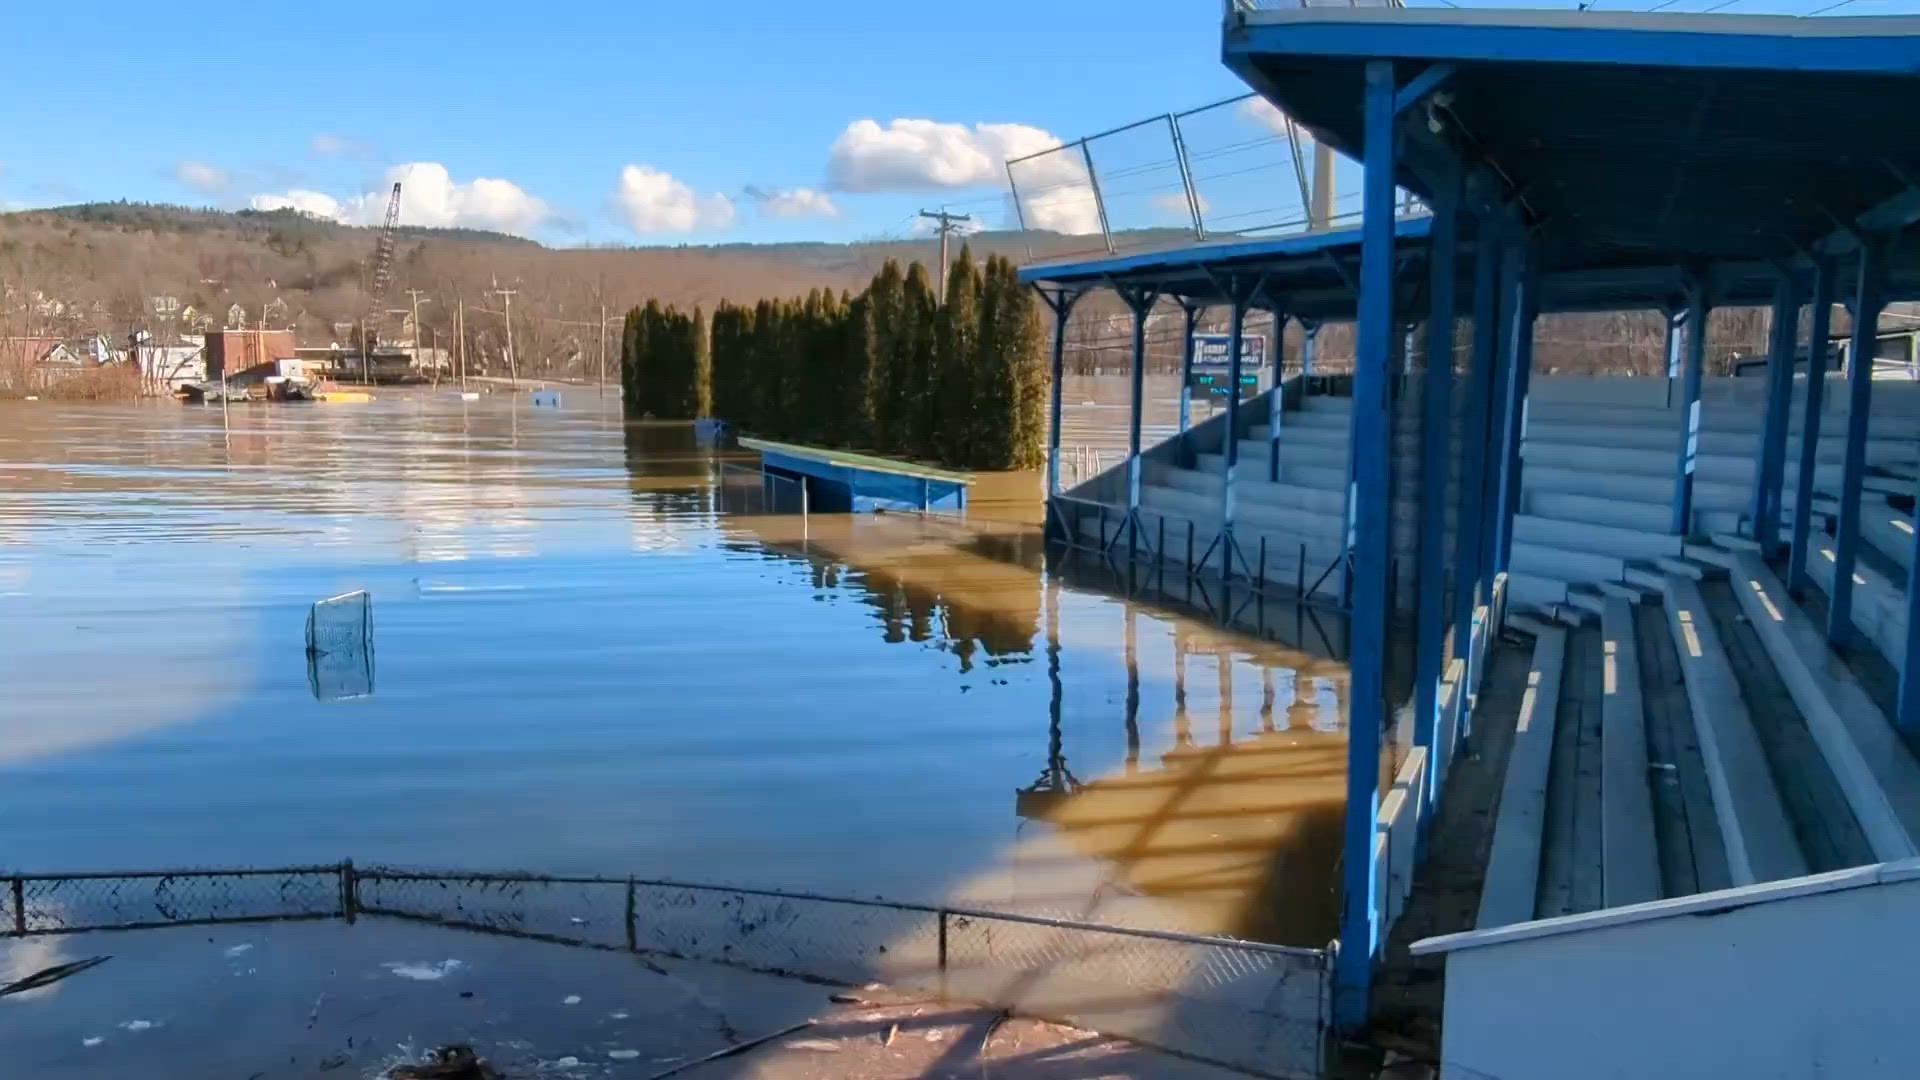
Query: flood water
581	663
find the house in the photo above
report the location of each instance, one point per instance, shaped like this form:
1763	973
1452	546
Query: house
236	317
33	363
164	306
164	368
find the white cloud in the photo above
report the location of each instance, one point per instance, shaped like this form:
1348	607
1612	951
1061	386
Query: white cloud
202	177
1262	112
653	201
1175	203
329	145
429	196
307	202
793	202
927	155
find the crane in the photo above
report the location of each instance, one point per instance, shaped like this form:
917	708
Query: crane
377	289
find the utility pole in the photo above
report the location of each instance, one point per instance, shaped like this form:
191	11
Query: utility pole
603	348
460	339
513	366
949	224
414	295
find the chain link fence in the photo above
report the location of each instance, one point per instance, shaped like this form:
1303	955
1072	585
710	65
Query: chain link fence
1259	1008
70	903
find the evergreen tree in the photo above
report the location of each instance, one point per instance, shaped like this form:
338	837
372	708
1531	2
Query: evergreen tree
953	413
912	364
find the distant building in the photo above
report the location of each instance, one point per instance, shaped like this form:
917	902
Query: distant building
235	354
37	362
165	306
236	317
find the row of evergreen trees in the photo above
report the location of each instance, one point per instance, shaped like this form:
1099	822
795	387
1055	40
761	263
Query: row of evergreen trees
893	370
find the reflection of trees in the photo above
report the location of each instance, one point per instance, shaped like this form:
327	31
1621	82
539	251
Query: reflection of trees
972	594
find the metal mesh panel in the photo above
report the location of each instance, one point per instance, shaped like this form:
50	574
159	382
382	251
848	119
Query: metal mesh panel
47	905
811	937
1251	167
1053	193
1248	1006
586	911
1142	186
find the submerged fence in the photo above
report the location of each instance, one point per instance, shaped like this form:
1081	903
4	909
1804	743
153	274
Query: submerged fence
1261	1008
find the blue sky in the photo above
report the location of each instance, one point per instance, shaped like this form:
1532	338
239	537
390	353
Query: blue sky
218	103
646	121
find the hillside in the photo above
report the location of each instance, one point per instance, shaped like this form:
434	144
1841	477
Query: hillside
95	268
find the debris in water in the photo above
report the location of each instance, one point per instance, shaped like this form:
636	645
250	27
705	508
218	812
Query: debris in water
818	1046
423	971
139	1025
934	1035
241	949
335	1061
570	999
568	1062
92	1040
618	1015
847	999
623	1055
456	1062
892	1033
51	975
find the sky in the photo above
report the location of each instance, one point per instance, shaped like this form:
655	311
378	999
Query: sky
645	121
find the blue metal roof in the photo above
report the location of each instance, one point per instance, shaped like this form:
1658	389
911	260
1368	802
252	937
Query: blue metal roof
1629	139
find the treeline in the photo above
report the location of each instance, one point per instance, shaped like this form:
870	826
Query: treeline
892	370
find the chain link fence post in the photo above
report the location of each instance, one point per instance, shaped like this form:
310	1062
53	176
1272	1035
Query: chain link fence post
19	907
942	952
633	931
349	892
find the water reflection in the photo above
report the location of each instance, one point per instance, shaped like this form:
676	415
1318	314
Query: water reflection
586	665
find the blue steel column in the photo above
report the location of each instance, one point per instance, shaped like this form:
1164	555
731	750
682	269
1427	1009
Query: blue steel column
1186	365
1514	326
1681	523
1770	477
1277	357
1846	540
1436	467
1819	322
1367	691
1309	345
1142	303
1526	302
1499	404
1468	563
1062	305
1230	448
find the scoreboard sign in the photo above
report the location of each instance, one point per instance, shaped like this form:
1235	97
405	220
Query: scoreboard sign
1211	369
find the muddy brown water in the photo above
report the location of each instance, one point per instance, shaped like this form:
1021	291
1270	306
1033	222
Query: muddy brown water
582	664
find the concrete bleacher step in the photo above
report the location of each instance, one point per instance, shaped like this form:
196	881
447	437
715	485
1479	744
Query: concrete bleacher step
1630	858
1691	569
1595	509
1509	890
1566	565
1754	827
1646	575
1877	774
1890	532
1587	598
1879	601
1590	537
1614	459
